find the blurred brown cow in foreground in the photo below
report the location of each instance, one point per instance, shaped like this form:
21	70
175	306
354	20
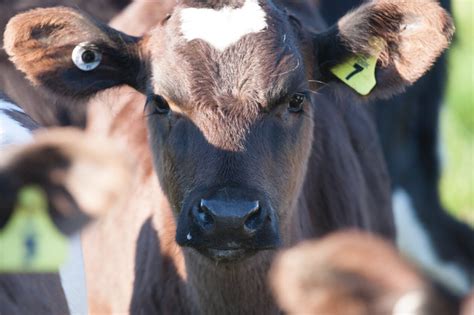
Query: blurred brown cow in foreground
353	273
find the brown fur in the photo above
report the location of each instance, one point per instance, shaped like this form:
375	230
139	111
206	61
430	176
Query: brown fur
43	50
36	37
214	4
62	161
145	15
102	10
414	33
351	273
45	108
321	170
468	305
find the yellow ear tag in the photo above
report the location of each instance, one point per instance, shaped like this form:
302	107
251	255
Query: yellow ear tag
30	242
358	72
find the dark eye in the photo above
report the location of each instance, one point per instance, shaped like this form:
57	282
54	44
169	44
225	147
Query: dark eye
160	105
88	56
296	102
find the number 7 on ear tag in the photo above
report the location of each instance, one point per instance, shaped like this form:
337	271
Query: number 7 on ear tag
30	242
358	72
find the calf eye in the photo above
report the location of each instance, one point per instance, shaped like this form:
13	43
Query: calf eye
160	105
86	56
296	103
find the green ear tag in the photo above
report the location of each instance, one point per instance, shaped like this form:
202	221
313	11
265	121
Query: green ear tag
30	242
358	72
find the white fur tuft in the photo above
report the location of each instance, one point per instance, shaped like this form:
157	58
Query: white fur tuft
224	27
410	304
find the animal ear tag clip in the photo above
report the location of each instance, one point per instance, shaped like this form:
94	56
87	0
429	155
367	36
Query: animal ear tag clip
30	242
358	72
86	56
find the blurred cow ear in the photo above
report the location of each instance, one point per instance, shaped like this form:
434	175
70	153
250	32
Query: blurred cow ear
383	46
82	177
71	54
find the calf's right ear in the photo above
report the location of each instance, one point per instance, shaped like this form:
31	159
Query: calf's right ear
383	46
71	54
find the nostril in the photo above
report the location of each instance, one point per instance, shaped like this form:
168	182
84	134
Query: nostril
204	216
254	219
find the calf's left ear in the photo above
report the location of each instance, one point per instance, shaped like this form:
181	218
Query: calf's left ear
71	54
383	46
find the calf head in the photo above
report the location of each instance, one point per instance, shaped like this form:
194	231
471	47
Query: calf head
229	113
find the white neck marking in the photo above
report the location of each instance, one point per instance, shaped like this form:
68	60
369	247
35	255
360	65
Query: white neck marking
414	241
73	278
224	27
11	130
6	105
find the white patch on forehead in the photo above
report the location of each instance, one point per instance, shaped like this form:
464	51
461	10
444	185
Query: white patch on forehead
11	131
224	27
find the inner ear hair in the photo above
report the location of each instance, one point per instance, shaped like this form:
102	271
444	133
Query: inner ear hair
357	28
45	29
405	37
40	43
408	32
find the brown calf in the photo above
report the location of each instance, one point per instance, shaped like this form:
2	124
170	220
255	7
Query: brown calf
247	157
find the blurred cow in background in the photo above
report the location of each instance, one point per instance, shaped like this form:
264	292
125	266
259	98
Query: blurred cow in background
82	177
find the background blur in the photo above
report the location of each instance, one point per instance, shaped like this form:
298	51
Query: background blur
457	184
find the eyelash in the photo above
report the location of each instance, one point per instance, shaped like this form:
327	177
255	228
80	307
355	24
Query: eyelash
156	105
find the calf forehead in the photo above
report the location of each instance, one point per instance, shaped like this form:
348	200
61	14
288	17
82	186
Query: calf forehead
244	54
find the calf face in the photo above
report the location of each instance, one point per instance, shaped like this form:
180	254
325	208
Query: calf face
229	113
